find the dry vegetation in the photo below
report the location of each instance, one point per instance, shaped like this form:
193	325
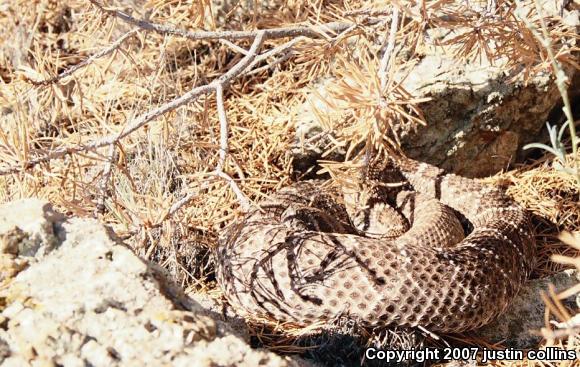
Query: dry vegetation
167	132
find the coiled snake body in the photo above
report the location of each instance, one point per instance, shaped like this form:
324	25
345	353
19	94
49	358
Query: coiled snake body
304	257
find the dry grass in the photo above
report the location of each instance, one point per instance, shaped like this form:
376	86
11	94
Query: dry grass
136	184
551	196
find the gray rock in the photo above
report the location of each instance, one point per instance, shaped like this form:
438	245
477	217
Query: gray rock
26	228
89	300
477	119
519	326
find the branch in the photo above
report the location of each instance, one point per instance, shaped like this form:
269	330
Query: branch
273	33
285	48
385	62
224	149
245	62
103	186
140	121
113	47
242	199
286	56
178	205
224	129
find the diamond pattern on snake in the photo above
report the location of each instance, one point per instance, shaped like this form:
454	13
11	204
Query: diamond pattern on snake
439	251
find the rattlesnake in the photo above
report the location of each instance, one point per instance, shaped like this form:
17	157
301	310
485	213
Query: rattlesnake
303	256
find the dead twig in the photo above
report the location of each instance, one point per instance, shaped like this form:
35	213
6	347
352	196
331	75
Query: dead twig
286	56
234	47
285	49
242	199
103	186
310	31
385	62
224	149
224	80
224	129
106	51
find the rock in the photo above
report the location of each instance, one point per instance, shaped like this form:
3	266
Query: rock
477	119
516	331
32	237
82	298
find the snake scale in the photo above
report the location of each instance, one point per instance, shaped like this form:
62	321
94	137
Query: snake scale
303	256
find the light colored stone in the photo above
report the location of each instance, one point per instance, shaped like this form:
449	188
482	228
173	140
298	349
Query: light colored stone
29	223
477	121
89	300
